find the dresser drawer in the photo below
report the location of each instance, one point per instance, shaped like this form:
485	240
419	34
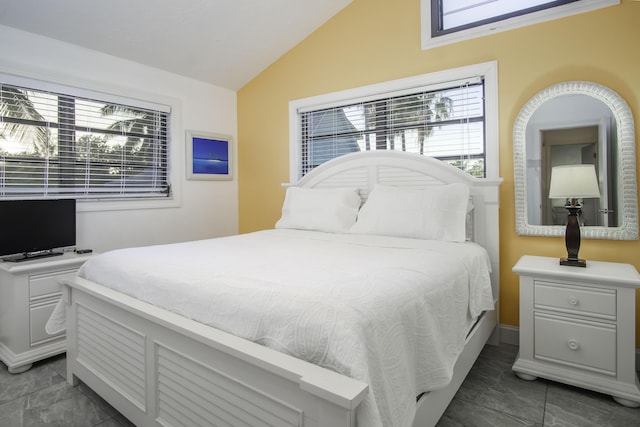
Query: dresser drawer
585	345
45	284
598	302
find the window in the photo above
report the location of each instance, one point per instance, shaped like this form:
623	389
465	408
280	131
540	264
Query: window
448	21
442	115
57	141
448	16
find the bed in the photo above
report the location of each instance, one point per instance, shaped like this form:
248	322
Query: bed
148	334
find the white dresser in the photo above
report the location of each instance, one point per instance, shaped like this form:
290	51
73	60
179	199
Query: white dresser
29	291
577	325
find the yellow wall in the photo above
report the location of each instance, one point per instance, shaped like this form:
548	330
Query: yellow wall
372	41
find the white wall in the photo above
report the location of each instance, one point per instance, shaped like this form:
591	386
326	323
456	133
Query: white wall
199	209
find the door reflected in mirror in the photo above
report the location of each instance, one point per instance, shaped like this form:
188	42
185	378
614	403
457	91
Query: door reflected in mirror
581	145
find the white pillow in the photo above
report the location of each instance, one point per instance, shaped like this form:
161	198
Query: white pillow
435	213
329	210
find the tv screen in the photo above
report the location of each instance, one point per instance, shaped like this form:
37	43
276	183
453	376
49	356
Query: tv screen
32	226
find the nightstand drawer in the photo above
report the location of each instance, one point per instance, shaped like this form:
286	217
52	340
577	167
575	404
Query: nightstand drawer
597	302
585	345
38	317
45	284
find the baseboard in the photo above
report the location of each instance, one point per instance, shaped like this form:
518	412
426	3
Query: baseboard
511	335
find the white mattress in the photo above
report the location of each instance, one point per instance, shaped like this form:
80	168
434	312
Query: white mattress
390	312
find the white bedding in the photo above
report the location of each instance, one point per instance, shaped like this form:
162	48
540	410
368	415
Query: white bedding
391	312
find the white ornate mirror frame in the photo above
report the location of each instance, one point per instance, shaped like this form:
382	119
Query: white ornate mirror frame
628	229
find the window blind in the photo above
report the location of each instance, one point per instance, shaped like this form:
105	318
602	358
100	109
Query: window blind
65	145
446	122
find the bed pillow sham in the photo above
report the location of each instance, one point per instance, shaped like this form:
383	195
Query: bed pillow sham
329	210
435	213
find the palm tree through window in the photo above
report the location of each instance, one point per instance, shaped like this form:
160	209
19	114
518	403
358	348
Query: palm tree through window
55	144
447	123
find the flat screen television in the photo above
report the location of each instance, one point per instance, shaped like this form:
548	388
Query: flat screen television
36	228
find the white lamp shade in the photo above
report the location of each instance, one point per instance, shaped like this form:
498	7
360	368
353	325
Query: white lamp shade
574	181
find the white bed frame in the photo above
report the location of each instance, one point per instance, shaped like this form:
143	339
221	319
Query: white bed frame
159	368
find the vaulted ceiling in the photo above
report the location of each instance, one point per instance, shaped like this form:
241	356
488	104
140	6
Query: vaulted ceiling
223	42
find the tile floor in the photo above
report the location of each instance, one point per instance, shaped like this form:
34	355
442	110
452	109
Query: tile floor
42	397
491	396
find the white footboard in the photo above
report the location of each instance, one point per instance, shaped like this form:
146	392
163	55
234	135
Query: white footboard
159	368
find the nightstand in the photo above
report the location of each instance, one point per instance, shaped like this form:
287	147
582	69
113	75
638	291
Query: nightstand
577	325
29	291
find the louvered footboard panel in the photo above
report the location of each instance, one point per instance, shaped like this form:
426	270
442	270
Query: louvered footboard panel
113	352
190	393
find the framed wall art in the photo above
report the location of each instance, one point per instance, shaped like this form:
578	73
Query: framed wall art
209	156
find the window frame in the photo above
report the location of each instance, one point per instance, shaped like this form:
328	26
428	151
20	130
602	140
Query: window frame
488	71
125	96
427	13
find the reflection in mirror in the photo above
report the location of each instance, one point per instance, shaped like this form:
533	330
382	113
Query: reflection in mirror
576	123
568	130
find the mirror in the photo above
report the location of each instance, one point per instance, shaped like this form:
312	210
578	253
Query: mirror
576	123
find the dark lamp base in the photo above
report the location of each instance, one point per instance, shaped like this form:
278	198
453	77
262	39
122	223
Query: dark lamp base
572	238
574	262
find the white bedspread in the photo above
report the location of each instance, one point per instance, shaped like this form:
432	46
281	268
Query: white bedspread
390	312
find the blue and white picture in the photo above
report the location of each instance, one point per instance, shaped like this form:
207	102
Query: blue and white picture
210	156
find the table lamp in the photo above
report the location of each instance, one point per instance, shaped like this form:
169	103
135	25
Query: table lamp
573	182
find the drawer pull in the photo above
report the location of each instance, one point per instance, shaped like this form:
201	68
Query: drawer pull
573	344
573	301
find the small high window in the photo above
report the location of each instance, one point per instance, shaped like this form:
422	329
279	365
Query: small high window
449	21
